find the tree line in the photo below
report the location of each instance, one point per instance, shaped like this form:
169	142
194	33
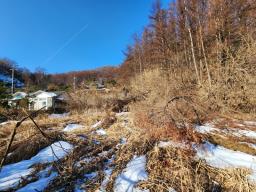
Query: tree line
40	79
207	45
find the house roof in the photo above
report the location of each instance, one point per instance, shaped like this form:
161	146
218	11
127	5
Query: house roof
34	94
18	95
46	95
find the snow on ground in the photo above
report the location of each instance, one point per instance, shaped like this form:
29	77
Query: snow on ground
123	140
57	116
72	127
4	123
208	128
101	132
104	183
7	122
134	172
122	114
96	124
12	174
39	185
90	176
250	123
107	172
246	133
221	157
164	144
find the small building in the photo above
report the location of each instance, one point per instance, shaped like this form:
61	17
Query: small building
42	99
16	99
61	101
34	94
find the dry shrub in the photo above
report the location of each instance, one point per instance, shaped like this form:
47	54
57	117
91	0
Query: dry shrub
175	168
233	179
156	132
160	86
108	120
233	82
167	106
82	100
163	125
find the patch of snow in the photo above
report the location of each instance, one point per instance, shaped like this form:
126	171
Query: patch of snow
57	116
140	190
38	185
246	133
95	142
134	172
90	176
122	114
82	136
221	157
207	128
4	123
250	123
84	160
96	124
107	173
77	189
171	190
104	183
123	140
164	144
72	127
80	182
101	132
12	178
12	174
103	153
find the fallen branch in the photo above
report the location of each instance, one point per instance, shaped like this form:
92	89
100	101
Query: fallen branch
13	135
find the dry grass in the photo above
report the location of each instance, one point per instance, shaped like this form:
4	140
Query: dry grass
92	100
175	168
232	143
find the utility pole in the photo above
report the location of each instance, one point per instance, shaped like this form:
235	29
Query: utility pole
12	80
74	83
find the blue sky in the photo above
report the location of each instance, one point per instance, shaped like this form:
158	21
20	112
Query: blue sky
69	35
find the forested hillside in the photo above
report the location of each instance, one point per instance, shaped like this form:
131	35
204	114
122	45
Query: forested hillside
199	47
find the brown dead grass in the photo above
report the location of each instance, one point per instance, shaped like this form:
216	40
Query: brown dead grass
163	131
232	143
174	168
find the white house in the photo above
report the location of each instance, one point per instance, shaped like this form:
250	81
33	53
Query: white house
16	97
41	99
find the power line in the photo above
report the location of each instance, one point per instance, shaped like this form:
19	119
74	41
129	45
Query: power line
12	80
65	44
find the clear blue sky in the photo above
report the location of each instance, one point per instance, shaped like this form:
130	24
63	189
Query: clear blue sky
68	35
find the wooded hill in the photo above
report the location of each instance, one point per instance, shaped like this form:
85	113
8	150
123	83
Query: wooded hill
205	48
